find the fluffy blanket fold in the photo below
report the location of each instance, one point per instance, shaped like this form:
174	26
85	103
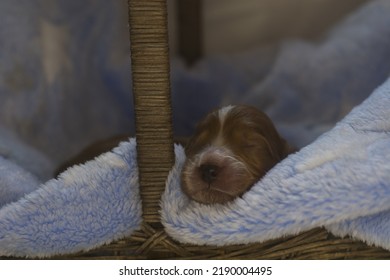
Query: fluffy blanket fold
87	206
79	56
341	181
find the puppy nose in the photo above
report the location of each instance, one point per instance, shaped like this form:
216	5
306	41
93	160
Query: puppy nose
209	172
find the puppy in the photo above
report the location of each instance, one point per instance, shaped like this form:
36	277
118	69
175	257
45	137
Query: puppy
232	148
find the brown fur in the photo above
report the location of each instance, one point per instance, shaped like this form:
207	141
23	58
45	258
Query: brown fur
226	157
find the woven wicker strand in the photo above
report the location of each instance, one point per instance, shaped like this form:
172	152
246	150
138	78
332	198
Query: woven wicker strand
314	244
151	89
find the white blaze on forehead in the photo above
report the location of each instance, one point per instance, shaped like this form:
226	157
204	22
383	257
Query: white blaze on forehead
222	113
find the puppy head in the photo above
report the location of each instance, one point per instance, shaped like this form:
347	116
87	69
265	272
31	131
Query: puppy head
232	148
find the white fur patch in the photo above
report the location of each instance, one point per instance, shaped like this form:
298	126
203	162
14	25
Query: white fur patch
222	113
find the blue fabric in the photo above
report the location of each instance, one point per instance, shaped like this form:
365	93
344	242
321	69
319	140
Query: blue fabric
341	181
65	73
87	206
65	81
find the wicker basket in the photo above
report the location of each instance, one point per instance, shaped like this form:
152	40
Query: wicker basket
151	87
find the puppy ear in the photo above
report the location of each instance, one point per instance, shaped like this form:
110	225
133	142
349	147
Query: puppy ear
287	149
278	147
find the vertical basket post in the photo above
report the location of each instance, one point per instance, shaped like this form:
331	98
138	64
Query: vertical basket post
151	89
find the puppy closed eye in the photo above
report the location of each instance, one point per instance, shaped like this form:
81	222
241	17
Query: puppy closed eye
264	143
248	146
251	142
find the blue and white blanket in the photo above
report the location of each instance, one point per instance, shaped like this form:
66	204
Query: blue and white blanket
341	181
64	81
